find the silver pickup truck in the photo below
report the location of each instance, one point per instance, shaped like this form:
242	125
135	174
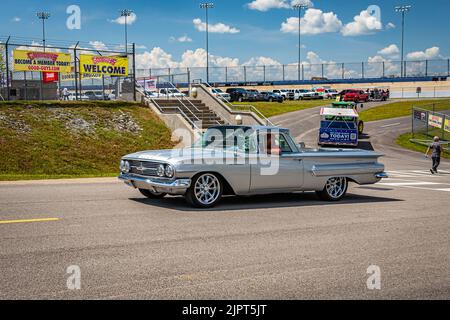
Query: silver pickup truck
248	160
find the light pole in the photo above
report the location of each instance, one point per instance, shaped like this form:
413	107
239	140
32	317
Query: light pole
126	13
207	6
403	9
43	16
299	7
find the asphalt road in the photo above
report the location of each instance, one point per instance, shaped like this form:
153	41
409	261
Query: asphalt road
270	247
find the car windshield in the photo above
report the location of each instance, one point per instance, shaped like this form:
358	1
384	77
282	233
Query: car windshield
229	138
217	91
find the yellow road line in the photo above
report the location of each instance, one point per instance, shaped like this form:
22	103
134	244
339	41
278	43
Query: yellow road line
28	220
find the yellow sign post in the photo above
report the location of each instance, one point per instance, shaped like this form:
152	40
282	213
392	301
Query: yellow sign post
39	61
103	65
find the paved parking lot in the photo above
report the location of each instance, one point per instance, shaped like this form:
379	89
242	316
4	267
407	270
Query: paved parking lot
266	247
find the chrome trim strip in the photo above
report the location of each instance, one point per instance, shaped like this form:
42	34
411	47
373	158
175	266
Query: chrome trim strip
171	184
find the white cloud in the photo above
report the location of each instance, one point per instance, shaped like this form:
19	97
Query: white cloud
121	20
98	45
184	38
265	5
261	61
214	28
391	51
363	24
430	53
314	22
16	19
390	25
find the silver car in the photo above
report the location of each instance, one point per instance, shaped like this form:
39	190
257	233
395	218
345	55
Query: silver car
248	160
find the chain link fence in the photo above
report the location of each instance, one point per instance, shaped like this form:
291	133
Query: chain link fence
307	72
429	121
30	85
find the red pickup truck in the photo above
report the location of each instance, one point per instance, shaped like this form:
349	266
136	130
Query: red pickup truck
354	95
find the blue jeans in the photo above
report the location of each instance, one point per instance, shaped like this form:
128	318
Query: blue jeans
436	162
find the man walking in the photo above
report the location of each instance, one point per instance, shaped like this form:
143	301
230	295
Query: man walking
436	154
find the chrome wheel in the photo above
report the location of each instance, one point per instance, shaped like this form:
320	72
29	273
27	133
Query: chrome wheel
207	189
336	187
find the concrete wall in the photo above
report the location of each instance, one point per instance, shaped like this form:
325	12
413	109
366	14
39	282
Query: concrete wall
182	132
223	111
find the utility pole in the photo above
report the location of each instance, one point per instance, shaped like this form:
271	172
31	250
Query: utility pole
207	6
403	9
299	7
126	13
43	16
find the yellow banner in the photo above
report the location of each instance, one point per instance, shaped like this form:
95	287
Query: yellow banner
447	125
25	60
111	66
64	77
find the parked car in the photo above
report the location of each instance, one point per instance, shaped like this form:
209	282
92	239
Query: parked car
285	93
330	94
208	170
271	97
82	97
94	95
354	95
309	95
220	94
170	93
256	94
240	95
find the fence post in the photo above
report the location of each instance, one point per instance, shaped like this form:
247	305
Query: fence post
404	69
362	70
26	86
245	74
226	74
426	68
343	71
384	69
7	69
150	72
75	71
448	67
264	73
322	70
283	73
134	71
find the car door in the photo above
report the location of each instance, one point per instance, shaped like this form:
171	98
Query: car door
279	167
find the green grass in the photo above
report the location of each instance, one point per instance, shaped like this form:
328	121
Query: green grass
401	109
270	109
46	148
404	141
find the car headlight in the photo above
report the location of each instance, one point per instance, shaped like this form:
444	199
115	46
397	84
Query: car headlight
170	171
124	166
160	171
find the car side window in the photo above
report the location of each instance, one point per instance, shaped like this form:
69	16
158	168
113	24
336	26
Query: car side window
284	145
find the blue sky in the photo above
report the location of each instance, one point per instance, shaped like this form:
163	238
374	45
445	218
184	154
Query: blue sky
249	29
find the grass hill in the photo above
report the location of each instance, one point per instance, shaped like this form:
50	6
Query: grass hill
74	139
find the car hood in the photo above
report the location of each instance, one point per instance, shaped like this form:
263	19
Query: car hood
179	155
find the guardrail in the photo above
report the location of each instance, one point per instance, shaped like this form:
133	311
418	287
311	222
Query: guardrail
249	107
162	109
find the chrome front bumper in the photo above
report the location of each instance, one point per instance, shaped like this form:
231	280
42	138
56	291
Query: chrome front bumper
178	186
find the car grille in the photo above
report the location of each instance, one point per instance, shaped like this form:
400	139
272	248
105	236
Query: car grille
144	168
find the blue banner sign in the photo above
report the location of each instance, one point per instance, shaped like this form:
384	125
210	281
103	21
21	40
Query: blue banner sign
338	136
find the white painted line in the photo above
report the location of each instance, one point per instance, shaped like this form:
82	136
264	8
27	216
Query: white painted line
399	184
445	189
390	125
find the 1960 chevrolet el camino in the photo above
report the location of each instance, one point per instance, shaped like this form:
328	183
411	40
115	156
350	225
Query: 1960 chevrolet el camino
248	160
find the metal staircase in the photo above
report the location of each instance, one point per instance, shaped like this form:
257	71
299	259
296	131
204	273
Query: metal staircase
196	113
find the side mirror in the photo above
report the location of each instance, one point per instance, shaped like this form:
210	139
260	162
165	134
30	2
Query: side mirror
302	145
